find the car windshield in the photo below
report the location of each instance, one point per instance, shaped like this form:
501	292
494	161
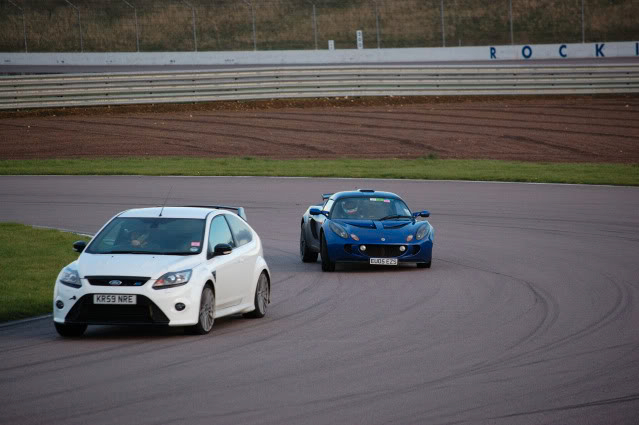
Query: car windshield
152	235
370	208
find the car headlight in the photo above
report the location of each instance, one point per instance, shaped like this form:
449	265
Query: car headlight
339	230
424	231
172	279
70	277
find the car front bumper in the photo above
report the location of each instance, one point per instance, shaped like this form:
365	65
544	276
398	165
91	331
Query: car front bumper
153	306
352	252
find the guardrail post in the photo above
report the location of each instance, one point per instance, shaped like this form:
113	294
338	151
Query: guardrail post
312	3
441	8
583	22
24	25
193	20
79	24
379	40
510	18
249	3
137	33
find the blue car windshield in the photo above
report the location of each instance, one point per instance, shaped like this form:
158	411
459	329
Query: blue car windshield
150	235
369	208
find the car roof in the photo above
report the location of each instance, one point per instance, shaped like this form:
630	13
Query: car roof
170	212
364	193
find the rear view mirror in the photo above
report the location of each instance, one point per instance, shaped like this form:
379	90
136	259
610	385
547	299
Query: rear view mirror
79	246
317	211
424	213
222	249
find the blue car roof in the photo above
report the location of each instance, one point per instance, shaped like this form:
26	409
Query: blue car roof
364	194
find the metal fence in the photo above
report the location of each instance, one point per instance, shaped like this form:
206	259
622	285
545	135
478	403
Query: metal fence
24	92
223	25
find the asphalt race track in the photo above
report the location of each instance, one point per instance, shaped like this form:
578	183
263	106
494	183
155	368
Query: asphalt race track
529	316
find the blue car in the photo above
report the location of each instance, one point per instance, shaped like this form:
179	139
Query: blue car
365	226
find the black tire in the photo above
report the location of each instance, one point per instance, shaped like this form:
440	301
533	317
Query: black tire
424	265
206	315
261	299
70	330
327	264
307	255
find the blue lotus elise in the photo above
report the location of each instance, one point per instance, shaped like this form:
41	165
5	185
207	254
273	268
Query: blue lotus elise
365	226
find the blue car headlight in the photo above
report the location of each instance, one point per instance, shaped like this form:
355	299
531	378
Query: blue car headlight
425	230
339	230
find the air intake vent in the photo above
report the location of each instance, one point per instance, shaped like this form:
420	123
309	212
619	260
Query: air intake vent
113	280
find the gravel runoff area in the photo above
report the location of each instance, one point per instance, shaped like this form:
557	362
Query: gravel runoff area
555	129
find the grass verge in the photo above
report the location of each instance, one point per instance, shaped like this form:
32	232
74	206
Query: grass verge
30	260
427	168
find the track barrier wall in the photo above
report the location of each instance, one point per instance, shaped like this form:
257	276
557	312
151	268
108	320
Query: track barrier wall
338	56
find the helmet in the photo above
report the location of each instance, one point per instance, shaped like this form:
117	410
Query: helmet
349	206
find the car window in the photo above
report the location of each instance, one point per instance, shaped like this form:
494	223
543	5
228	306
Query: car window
150	235
328	205
368	208
240	230
220	233
401	209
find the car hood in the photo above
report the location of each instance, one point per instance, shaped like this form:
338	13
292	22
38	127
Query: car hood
369	231
152	266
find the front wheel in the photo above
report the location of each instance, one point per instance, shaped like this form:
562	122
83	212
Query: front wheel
206	317
424	265
327	264
261	298
69	330
307	255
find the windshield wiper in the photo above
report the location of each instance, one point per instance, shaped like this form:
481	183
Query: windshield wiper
390	217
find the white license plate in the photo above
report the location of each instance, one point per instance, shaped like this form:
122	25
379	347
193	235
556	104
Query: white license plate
384	261
114	299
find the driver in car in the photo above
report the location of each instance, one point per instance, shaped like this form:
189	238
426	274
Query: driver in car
139	238
353	209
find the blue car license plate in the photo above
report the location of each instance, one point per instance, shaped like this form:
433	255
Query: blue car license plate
384	261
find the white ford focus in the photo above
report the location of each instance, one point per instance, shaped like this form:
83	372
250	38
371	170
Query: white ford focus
175	266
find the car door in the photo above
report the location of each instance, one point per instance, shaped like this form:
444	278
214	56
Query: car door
226	269
315	224
248	250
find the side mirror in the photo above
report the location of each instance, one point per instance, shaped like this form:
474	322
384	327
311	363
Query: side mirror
78	246
424	213
317	211
220	249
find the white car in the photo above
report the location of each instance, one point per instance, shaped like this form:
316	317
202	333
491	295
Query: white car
175	266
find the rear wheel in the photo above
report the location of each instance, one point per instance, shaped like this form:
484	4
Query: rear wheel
307	255
206	317
69	330
261	298
327	264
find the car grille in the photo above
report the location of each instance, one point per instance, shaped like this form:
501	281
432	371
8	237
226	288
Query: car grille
382	251
145	312
126	280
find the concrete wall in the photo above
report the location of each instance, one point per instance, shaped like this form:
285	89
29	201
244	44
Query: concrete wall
342	56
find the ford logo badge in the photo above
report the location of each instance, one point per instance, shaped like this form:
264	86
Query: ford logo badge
115	282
